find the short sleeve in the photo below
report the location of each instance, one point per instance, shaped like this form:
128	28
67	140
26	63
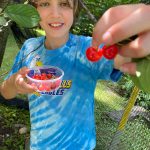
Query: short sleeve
116	75
104	70
26	54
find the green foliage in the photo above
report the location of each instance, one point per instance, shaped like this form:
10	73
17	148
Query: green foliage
141	80
2	20
13	143
136	136
145	1
143	100
125	86
23	14
85	25
14	116
10	117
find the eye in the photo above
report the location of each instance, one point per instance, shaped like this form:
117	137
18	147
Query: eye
44	4
64	4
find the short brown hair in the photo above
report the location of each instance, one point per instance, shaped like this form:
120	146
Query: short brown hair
76	6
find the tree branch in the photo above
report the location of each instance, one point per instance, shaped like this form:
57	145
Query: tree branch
91	16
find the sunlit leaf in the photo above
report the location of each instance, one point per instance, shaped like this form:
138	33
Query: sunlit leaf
143	81
1	10
24	15
2	20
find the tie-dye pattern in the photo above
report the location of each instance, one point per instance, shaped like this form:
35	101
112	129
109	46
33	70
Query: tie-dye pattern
65	121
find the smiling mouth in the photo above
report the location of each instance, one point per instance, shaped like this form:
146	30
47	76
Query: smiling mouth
56	25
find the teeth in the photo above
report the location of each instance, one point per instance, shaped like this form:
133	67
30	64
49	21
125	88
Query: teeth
56	25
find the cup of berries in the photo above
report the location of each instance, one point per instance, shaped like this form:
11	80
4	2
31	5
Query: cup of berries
45	78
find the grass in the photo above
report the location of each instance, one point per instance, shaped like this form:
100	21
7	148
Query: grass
105	101
10	53
12	139
135	137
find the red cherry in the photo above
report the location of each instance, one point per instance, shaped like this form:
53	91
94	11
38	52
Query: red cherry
93	54
110	52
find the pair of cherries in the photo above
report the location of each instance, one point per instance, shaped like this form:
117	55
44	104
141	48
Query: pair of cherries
109	52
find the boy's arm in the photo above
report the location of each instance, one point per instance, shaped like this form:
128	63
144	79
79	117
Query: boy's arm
8	89
16	84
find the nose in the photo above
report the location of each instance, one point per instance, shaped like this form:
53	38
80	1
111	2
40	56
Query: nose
55	11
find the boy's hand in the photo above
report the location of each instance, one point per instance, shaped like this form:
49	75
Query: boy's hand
20	82
122	22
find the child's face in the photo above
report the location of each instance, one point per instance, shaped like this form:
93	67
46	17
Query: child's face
56	17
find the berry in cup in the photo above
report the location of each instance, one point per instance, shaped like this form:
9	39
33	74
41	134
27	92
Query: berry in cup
46	79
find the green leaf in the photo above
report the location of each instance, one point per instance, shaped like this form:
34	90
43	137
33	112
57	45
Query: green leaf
1	10
24	15
2	21
142	81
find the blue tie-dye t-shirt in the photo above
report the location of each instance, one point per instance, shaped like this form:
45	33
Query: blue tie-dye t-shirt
64	119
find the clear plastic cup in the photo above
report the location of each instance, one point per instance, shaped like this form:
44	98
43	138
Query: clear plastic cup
45	78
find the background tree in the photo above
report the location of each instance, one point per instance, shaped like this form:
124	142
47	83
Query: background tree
4	32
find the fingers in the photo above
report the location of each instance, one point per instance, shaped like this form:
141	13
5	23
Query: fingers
23	71
137	48
111	24
22	86
120	23
120	60
129	68
20	82
136	23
